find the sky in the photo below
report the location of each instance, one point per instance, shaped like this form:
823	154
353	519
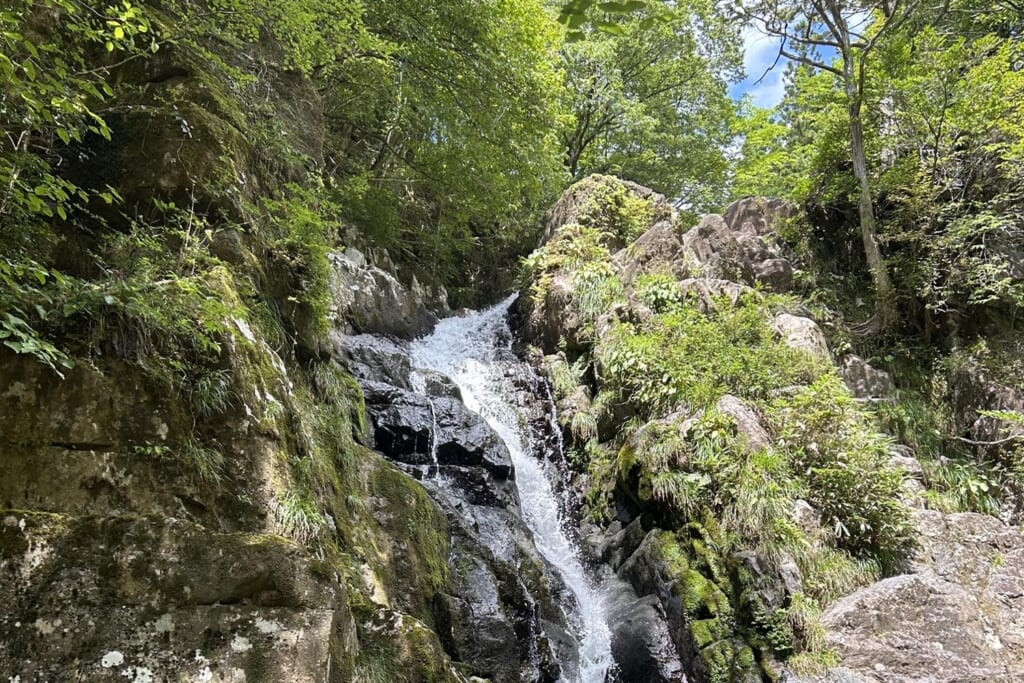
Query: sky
759	52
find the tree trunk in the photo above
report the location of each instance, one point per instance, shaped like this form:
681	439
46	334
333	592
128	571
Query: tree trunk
885	300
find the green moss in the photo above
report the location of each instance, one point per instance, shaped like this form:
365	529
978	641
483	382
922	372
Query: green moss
612	208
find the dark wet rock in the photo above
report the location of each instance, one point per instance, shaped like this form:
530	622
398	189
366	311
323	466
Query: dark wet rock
464	438
374	358
865	381
403	424
641	643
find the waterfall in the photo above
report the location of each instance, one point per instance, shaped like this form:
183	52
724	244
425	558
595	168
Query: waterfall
474	351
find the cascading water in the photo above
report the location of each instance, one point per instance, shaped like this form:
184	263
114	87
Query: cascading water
474	352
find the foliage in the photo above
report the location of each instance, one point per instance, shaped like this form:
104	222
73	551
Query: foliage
648	104
52	89
849	482
686	358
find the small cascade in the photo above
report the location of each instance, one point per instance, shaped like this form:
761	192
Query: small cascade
475	352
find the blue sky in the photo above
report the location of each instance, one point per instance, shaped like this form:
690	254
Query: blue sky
759	51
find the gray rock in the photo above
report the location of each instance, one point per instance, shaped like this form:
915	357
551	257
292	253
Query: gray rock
720	249
369	299
748	423
802	334
577	201
958	618
864	380
656	251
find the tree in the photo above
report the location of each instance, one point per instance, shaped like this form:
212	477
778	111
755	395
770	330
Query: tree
852	29
649	102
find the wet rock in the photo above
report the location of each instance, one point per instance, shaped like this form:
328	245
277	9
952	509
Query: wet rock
374	358
369	299
464	438
865	381
802	334
641	643
403	423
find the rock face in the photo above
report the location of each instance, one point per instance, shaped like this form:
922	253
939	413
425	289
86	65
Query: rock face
369	299
738	245
957	618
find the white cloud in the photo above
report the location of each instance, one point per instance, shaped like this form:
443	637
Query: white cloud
759	54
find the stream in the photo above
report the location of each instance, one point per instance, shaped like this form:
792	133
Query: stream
475	352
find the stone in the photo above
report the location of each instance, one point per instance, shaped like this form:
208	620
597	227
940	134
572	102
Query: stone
371	300
577	201
718	249
749	428
641	643
802	334
865	381
656	251
374	358
957	618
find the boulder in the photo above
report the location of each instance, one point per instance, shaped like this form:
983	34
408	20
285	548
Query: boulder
371	357
865	381
369	299
749	428
583	200
959	617
758	215
656	251
736	251
802	334
641	643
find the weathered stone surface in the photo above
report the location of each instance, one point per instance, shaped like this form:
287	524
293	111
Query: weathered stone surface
368	299
757	215
863	380
958	618
374	358
146	599
707	293
802	334
737	247
973	389
579	198
656	251
749	428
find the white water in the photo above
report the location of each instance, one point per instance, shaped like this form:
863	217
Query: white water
469	350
